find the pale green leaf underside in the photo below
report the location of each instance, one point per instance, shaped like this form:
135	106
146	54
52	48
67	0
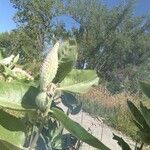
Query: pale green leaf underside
12	134
79	81
18	96
11	140
8	146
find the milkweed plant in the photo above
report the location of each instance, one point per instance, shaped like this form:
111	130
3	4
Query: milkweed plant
30	117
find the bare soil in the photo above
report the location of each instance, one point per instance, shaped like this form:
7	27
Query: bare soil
100	130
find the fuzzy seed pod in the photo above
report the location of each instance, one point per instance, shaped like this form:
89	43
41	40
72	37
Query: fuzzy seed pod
49	68
41	101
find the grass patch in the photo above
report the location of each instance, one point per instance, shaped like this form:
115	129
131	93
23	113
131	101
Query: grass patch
112	108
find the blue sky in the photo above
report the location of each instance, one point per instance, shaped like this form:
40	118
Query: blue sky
7	12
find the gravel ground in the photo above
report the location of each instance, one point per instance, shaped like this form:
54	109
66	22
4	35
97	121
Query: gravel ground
100	130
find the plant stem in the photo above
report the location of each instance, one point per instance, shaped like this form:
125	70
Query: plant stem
32	134
141	147
34	141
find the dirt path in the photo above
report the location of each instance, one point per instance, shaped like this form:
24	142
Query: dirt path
100	130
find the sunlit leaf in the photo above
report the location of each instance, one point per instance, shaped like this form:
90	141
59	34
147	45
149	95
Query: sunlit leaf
7	60
8	146
79	81
18	96
15	60
77	130
12	132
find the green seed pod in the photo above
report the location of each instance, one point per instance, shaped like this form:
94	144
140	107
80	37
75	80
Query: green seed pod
41	101
49	68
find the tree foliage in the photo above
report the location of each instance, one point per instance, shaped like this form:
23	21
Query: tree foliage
110	40
35	17
113	41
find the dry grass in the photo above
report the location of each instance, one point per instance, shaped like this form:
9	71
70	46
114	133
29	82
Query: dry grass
103	96
98	101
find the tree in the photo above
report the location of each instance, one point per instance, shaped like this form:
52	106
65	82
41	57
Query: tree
91	16
34	17
110	40
17	42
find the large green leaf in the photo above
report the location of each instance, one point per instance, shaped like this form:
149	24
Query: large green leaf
12	132
8	146
18	96
138	125
137	115
15	60
77	130
121	142
70	101
145	88
79	81
67	54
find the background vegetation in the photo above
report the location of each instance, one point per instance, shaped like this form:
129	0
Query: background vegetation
114	42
